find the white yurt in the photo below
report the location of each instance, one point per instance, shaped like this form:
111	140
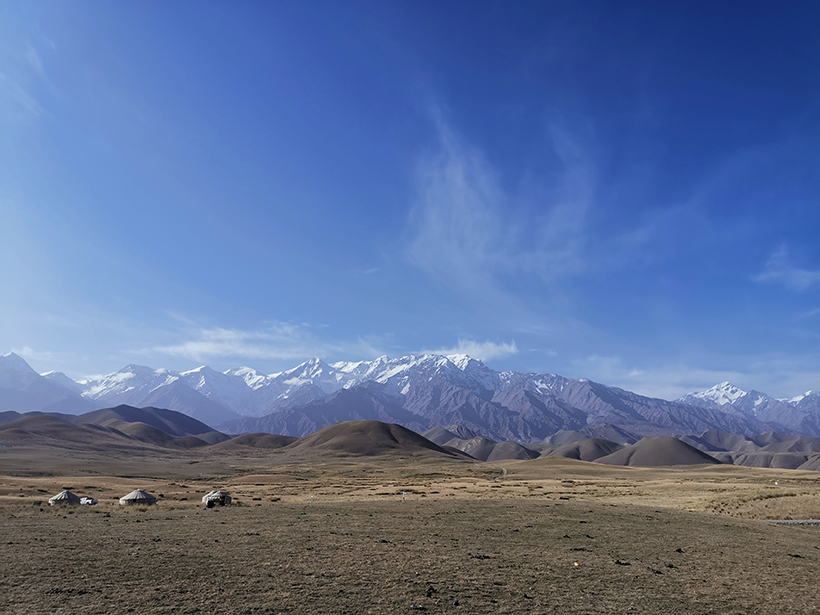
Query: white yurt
64	498
216	498
138	497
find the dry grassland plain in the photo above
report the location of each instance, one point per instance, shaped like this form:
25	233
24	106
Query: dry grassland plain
335	535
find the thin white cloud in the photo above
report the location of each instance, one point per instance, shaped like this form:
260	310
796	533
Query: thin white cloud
483	351
277	341
467	232
780	270
29	353
34	61
21	98
457	223
809	314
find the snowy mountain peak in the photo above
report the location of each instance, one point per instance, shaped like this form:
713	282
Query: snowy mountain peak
15	373
130	379
462	360
798	398
723	393
250	376
306	369
313	371
202	369
140	370
431	387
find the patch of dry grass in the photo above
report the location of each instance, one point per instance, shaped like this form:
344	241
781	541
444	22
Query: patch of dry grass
329	535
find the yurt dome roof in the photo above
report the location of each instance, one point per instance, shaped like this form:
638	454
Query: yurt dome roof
138	496
64	497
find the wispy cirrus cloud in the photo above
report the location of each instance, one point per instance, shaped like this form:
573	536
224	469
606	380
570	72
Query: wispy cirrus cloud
780	270
34	62
457	226
809	314
20	98
469	233
38	355
297	341
22	82
483	351
276	341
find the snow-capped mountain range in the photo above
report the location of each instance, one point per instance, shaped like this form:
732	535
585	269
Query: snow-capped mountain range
799	414
419	392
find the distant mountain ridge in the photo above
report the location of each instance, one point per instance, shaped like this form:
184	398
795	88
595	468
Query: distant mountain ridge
419	392
799	414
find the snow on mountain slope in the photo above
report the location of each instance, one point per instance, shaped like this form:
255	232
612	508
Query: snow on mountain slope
249	376
797	399
129	386
399	375
315	372
432	390
789	415
718	395
351	373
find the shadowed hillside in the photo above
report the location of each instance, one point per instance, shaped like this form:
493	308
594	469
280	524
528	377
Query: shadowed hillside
584	450
367	438
657	451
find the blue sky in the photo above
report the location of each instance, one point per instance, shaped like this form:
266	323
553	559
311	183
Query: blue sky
626	191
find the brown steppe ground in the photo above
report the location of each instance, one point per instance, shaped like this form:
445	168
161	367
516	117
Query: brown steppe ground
333	535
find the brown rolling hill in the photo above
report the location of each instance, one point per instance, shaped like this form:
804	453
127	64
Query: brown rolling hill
442	435
170	421
141	431
110	429
511	450
716	440
800	444
367	438
763	459
187	442
257	440
770	437
583	450
52	431
657	451
484	449
478	447
812	463
601	431
6	416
